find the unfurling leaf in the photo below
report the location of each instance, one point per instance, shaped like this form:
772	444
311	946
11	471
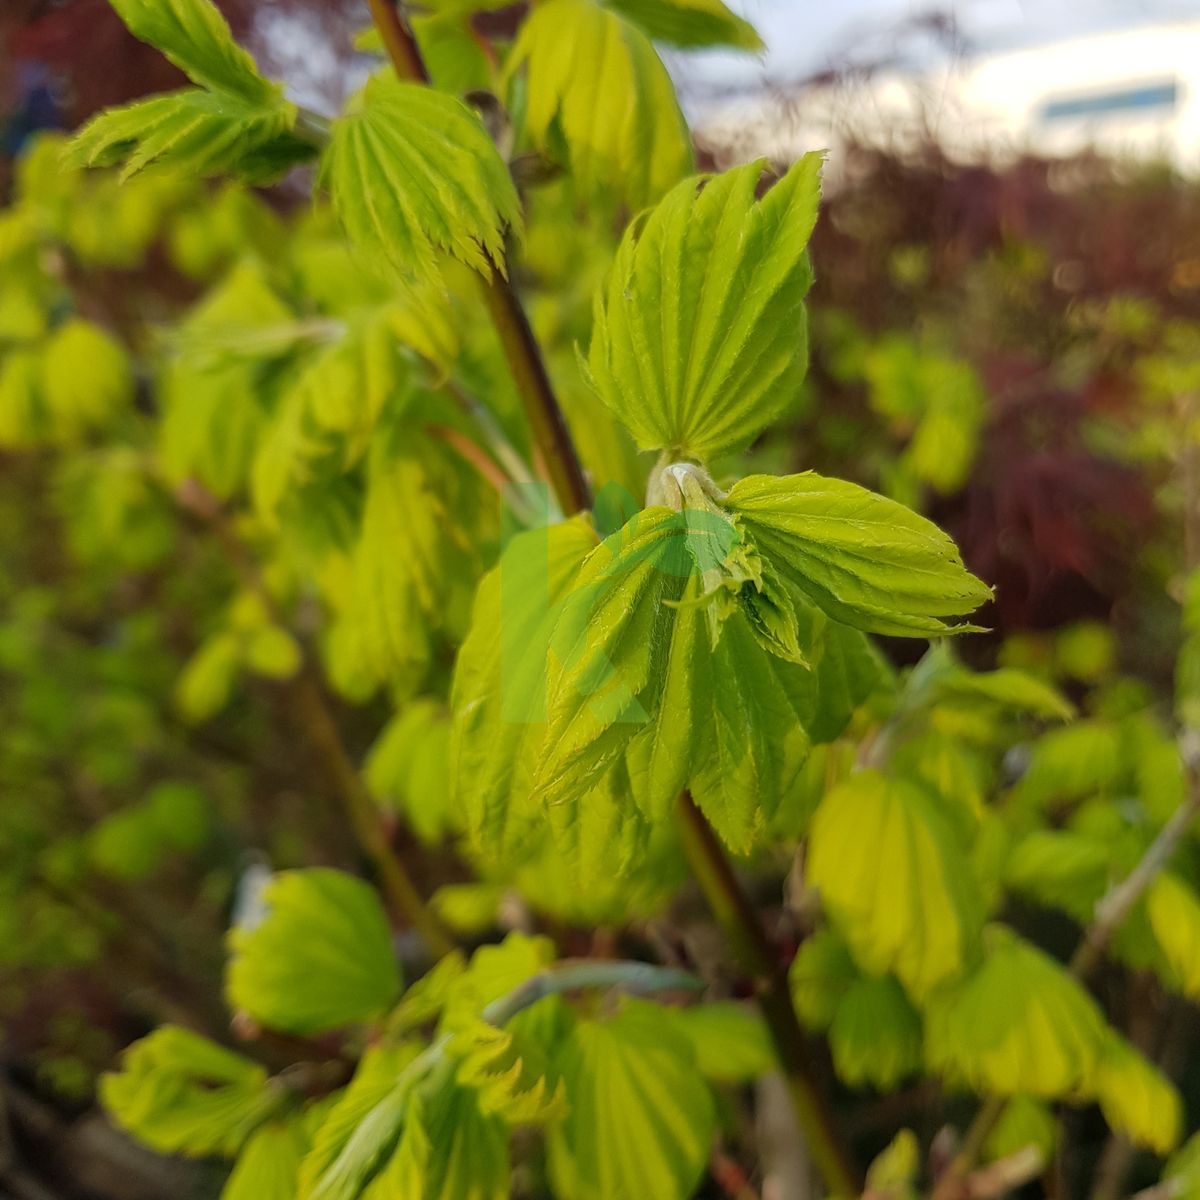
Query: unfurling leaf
700	335
508	1073
267	1167
413	173
321	958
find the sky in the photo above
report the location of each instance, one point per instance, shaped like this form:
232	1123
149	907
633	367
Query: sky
805	37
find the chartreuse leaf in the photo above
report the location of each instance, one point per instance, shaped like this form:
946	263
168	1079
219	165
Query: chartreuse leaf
641	1119
1137	1099
499	697
179	1093
321	958
197	39
450	1150
267	1167
1013	690
196	132
820	976
408	768
729	1040
1057	867
1174	912
415	561
595	82
865	560
895	881
360	1131
689	23
1182	1170
875	1036
1019	1023
22	407
86	377
699	339
1025	1121
509	1074
412	173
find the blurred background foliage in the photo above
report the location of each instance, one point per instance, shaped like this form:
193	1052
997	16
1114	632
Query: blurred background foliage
1012	350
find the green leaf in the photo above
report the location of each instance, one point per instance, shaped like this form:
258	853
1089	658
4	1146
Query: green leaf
689	23
1174	912
360	1131
412	173
1024	1122
181	1094
197	39
87	377
207	680
820	976
415	560
408	769
595	80
268	1165
1015	691
321	958
1019	1023
510	1075
1060	868
894	1171
1137	1099
729	1040
865	560
875	1036
194	132
450	1150
1182	1171
895	880
641	1118
699	339
498	696
22	410
1073	763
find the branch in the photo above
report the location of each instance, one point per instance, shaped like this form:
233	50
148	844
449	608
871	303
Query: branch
757	957
542	410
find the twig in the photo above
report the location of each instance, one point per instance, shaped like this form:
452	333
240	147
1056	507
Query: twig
757	957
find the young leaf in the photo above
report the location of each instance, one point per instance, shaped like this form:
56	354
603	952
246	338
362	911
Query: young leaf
196	133
509	1074
179	1093
408	768
268	1165
729	1040
1174	913
197	39
595	80
866	560
450	1150
321	958
1019	1023
86	377
1137	1099
699	339
413	172
360	1131
820	976
895	880
641	1118
689	23
1025	1122
875	1037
